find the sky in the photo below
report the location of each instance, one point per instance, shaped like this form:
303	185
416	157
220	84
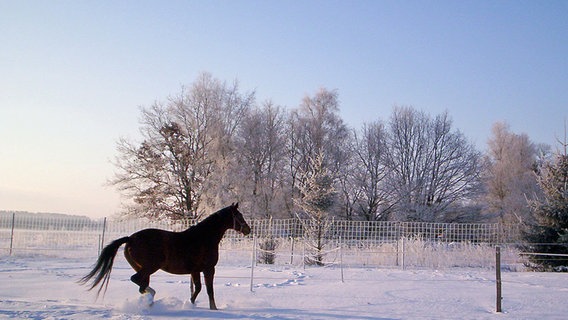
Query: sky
74	74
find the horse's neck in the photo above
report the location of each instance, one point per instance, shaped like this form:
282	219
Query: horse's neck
213	226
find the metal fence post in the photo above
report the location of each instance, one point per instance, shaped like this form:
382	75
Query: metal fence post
341	258
402	257
292	251
304	254
102	237
253	260
12	233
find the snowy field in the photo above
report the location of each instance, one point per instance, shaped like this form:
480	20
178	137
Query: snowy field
39	287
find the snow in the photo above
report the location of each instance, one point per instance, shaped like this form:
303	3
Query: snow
40	287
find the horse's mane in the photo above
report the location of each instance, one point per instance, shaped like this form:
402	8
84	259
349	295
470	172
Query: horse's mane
215	215
211	221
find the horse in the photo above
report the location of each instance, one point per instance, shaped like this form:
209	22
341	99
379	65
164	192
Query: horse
192	251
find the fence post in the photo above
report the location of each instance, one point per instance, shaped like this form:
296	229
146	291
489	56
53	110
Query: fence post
292	251
103	235
402	257
341	258
304	254
12	233
498	277
253	260
397	252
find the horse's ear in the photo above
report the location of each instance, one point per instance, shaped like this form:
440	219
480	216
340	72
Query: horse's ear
236	205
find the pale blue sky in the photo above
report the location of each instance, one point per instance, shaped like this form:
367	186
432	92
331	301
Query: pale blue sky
74	73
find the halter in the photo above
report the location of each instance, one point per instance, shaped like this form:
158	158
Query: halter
235	223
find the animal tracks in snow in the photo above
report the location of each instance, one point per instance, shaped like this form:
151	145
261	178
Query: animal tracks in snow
270	280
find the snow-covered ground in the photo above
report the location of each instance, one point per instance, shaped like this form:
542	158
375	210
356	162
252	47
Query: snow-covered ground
39	287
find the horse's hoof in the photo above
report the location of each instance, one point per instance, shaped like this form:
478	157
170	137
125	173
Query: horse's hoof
146	300
150	291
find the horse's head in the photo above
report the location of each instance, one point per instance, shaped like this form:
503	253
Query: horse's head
239	223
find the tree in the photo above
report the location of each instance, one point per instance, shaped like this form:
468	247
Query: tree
551	213
510	175
186	142
317	138
317	197
317	132
433	167
372	193
229	112
261	152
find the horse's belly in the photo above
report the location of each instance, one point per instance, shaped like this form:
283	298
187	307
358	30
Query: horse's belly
183	269
186	266
177	270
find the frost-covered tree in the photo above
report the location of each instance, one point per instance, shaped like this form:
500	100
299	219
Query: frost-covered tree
262	155
187	142
510	175
550	229
317	197
228	118
316	131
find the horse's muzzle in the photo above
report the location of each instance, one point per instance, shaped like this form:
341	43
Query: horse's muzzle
245	230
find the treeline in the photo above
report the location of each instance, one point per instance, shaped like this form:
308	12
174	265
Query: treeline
43	221
212	144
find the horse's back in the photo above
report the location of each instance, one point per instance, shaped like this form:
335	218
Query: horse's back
147	247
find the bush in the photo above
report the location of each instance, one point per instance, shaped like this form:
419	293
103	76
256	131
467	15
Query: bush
267	254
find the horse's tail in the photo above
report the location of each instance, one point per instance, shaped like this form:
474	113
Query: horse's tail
103	267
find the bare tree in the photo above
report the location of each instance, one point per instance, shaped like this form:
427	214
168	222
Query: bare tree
455	168
348	183
371	172
408	146
433	167
262	159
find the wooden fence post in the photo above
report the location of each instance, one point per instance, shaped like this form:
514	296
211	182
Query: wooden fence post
498	277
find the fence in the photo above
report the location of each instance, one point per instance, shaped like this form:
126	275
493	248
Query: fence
280	241
372	232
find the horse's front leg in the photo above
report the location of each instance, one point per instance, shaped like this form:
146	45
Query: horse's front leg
195	279
208	275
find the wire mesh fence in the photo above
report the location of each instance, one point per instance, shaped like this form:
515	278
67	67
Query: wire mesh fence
384	231
279	241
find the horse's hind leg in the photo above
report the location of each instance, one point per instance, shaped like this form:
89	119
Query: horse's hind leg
143	282
142	275
208	275
196	278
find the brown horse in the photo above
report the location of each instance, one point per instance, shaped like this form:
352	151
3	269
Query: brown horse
192	251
